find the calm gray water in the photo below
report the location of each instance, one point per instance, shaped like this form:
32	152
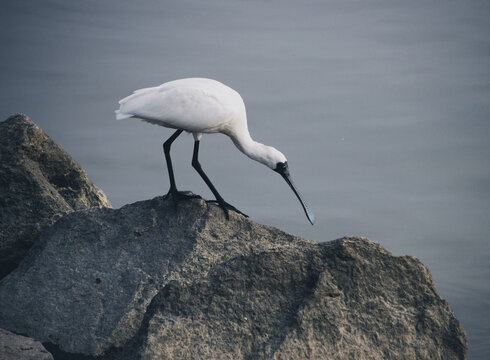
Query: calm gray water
382	108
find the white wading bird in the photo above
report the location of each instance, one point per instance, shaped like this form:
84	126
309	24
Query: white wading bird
202	106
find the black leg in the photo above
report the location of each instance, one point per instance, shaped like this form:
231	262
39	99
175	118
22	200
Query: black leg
176	195
166	151
219	199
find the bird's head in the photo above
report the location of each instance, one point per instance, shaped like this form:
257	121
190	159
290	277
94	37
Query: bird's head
283	169
274	159
270	156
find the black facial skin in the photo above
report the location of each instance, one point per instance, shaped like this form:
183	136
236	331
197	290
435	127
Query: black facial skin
282	168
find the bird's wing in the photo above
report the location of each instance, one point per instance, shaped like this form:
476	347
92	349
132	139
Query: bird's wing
183	107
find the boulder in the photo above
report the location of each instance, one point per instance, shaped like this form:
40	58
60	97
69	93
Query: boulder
155	281
158	280
39	183
17	347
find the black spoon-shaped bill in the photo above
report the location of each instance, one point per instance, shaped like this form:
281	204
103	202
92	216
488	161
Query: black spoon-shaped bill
282	168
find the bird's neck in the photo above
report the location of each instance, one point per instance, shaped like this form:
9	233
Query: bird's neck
253	149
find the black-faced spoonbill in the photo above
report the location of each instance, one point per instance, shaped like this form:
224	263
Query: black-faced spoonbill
200	106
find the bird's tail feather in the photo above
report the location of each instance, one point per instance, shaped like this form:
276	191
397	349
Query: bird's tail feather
135	94
121	116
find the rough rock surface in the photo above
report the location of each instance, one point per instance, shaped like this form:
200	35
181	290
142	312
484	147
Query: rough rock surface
39	182
17	347
148	281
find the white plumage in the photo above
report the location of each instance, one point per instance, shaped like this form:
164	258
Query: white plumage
198	106
195	105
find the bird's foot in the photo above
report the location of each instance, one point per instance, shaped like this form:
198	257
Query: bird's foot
180	195
226	207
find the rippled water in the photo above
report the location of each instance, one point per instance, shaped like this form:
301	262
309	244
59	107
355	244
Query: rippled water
381	107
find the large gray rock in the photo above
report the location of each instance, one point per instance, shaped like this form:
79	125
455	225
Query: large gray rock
150	282
39	182
17	347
